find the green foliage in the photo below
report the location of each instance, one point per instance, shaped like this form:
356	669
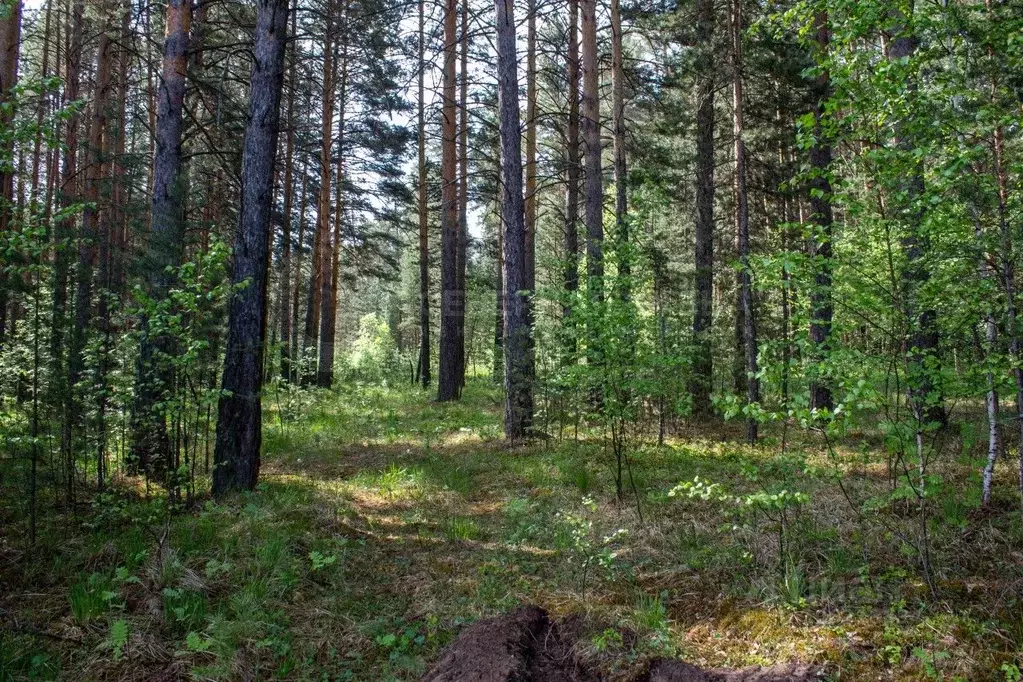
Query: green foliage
117	638
374	356
589	548
91	598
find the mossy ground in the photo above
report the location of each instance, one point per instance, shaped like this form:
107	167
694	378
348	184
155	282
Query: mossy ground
384	521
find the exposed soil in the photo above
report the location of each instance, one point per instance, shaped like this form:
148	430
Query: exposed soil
526	646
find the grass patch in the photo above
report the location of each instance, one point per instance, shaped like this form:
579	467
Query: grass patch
384	522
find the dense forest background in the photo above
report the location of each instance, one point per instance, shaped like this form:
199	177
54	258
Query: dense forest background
719	291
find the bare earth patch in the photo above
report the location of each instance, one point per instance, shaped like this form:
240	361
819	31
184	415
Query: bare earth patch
526	646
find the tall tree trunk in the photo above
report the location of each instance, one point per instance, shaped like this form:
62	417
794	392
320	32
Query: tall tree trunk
239	412
787	217
594	190
332	267
320	264
289	191
498	371
821	307
463	188
1008	269
703	292
121	192
990	346
518	412
531	102
742	224
10	50
42	108
621	176
571	274
90	230
296	292
424	223
65	228
452	306
106	236
151	446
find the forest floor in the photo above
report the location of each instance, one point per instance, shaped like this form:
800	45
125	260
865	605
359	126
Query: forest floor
385	523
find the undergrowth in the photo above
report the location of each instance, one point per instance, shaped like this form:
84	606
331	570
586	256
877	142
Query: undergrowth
385	522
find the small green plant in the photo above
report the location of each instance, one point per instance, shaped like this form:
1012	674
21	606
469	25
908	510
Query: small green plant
749	510
930	661
1011	672
197	643
403	647
607	640
793	585
651	615
462	528
117	638
91	599
319	561
589	548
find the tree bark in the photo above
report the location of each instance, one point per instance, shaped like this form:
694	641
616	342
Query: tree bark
1008	281
821	307
10	51
703	290
531	102
571	273
518	413
151	446
319	277
422	202
452	304
87	245
329	291
296	293
594	189
463	189
65	228
621	176
742	225
239	412
289	191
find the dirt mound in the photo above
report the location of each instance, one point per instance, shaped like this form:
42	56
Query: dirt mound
516	647
526	646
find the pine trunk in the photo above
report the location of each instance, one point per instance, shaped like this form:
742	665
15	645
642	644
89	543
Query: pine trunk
320	265
571	273
10	50
742	226
703	293
821	307
518	371
452	305
531	97
239	412
289	191
422	202
151	446
621	176
594	190
463	188
329	291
